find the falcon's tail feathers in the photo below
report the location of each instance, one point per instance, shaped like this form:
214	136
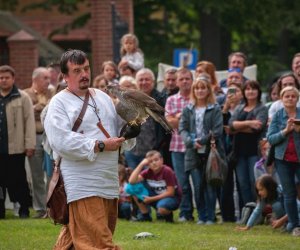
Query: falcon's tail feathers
160	119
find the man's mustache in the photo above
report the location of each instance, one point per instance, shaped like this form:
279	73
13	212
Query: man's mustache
84	79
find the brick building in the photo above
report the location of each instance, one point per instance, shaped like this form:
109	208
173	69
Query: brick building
28	39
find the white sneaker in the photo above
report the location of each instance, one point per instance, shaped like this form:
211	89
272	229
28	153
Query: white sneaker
296	232
182	219
16	208
200	222
209	222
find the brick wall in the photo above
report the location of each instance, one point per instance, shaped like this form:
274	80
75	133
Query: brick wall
98	30
101	28
23	57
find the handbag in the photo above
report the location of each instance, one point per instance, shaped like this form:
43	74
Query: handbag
216	167
57	206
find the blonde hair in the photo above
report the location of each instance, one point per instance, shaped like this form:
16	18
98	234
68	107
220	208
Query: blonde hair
289	88
130	37
201	82
129	79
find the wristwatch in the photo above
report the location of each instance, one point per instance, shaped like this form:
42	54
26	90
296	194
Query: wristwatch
101	146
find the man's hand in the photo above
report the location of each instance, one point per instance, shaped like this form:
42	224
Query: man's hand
255	124
148	199
245	228
113	143
29	152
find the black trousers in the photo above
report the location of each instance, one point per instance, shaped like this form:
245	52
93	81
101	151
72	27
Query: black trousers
13	179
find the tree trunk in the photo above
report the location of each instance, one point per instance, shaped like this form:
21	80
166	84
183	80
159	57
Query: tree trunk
215	41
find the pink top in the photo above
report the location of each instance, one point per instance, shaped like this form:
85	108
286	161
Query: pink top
174	105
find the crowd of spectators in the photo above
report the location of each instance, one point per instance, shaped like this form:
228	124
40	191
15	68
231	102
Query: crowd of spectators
263	137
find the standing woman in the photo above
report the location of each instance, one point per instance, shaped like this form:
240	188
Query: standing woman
209	68
284	134
248	123
200	117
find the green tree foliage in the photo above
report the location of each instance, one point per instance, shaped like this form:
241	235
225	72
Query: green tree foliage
64	6
8	4
267	31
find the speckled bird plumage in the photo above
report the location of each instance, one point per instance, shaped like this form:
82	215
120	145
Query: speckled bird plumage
135	107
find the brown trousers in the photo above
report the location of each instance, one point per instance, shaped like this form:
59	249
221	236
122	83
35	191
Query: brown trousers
92	224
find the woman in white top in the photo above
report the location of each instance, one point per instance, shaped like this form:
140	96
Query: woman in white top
285	80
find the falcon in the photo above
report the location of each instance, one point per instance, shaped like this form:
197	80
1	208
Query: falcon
135	107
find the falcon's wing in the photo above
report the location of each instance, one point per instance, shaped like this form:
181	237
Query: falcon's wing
126	114
142	99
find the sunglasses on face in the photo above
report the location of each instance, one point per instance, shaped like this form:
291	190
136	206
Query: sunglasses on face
238	70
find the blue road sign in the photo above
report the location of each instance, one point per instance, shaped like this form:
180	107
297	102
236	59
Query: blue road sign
186	57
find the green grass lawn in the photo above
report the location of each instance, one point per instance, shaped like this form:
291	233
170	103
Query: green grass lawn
39	234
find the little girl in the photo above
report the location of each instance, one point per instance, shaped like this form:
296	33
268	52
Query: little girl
125	202
110	71
131	54
268	192
100	82
260	167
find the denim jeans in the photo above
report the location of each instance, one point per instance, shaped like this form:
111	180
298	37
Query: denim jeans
287	171
169	203
186	205
205	195
199	186
132	159
245	177
124	210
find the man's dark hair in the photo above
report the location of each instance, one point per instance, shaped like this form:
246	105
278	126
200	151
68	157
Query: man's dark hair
7	68
54	65
77	57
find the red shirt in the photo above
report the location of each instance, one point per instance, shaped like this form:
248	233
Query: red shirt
290	152
160	181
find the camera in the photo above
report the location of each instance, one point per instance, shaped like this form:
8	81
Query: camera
231	91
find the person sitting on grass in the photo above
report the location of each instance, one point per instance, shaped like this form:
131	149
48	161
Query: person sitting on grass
278	223
161	184
125	201
268	193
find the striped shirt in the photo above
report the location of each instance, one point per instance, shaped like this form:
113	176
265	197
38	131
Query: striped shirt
174	105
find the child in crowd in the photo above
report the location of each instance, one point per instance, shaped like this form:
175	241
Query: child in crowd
161	184
273	95
125	70
127	82
100	82
260	167
278	223
268	192
125	202
110	71
131	54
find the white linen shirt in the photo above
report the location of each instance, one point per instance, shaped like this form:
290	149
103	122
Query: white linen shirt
85	173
